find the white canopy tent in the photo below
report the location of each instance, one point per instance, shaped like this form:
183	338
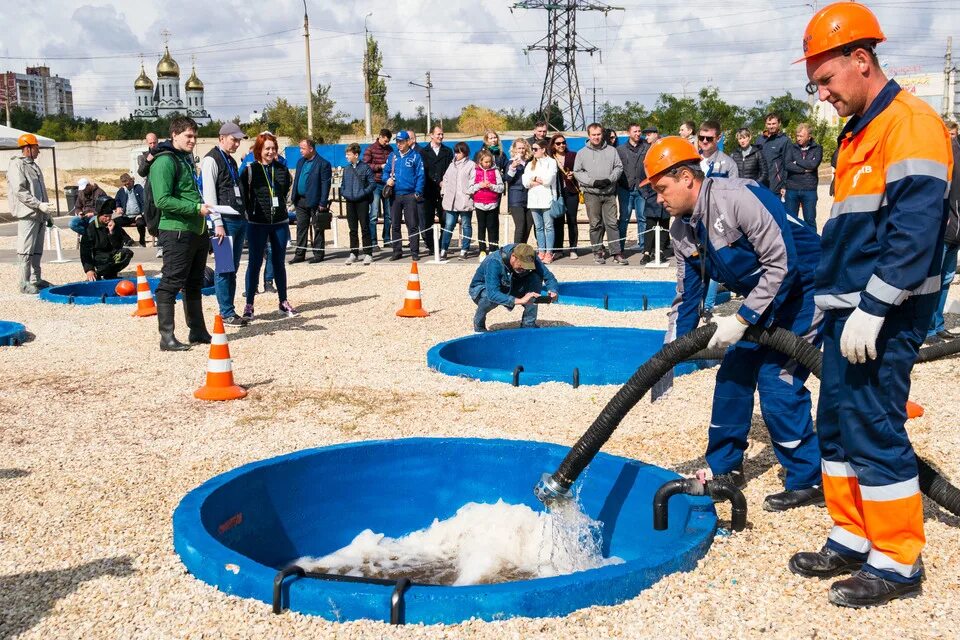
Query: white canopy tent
8	140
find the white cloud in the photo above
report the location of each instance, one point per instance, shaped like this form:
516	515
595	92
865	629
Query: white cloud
474	50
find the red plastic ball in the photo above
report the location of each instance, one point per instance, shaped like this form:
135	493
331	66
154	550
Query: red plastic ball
125	288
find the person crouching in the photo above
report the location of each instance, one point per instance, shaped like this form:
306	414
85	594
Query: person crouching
510	276
102	253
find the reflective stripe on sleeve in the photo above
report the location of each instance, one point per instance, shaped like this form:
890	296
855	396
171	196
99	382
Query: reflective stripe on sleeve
916	167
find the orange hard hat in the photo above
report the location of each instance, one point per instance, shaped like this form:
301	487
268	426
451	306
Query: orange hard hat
666	153
26	139
838	24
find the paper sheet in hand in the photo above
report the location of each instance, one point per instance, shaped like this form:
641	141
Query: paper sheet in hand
223	254
222	210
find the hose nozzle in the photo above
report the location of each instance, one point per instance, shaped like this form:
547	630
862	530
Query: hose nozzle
549	491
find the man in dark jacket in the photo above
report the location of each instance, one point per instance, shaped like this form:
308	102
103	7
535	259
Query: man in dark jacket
951	245
375	155
655	215
773	143
143	171
130	206
311	198
88	193
749	158
102	253
802	161
510	276
436	159
628	187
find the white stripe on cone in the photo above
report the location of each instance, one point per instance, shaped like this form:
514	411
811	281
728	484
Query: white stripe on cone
218	338
412	295
220	366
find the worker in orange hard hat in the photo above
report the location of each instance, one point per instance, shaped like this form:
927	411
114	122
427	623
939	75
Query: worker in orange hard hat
736	232
878	282
27	194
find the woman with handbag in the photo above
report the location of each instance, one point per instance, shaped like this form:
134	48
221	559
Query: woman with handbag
520	155
568	192
540	179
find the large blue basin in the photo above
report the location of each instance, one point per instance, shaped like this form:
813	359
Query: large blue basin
12	333
600	355
100	292
238	529
622	295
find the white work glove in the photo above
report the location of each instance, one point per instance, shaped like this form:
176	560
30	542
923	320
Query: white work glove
858	342
46	207
730	330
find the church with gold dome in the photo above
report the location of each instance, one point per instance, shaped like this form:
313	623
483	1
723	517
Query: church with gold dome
164	98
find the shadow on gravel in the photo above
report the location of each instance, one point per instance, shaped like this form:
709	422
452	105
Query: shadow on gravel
331	302
274	323
10	474
330	279
26	598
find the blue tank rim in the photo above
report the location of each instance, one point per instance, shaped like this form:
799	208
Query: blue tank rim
438	363
196	547
668	286
51	294
12	334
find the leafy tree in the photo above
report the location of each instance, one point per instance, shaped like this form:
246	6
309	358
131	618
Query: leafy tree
791	111
475	120
517	120
554	120
615	117
377	85
24	119
286	119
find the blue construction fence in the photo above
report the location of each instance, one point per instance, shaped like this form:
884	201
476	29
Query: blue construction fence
334	153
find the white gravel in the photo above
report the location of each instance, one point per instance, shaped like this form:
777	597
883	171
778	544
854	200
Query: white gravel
100	438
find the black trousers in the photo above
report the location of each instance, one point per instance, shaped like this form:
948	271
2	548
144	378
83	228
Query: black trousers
184	259
522	223
405	208
571	202
138	222
488	229
431	211
305	217
358	214
110	266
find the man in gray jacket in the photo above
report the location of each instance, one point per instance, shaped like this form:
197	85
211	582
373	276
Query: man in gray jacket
28	204
597	169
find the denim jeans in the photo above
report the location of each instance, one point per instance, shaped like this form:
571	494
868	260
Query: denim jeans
259	238
631	201
225	284
485	305
543	229
793	199
380	205
268	257
947	273
78	224
374	211
466	229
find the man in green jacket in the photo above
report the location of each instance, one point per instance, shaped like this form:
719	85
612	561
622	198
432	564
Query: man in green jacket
183	234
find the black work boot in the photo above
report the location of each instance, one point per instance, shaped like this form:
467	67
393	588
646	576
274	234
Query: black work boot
825	563
193	311
793	498
168	341
867	589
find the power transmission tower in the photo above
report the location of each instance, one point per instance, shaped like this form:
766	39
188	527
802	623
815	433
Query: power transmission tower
562	44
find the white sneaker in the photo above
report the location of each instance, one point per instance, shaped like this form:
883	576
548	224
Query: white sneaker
351	259
367	260
443	255
159	252
463	255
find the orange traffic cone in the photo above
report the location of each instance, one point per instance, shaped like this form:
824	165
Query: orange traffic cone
913	410
411	302
220	384
145	304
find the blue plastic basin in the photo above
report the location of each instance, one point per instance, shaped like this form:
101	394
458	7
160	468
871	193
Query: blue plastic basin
100	292
12	333
622	295
238	529
601	355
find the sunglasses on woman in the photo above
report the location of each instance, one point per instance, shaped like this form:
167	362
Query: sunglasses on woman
560	143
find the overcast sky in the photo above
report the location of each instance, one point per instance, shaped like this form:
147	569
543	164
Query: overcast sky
248	52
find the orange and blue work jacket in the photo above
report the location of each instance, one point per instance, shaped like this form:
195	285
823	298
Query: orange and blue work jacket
884	240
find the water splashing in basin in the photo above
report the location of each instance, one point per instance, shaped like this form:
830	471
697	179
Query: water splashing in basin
481	544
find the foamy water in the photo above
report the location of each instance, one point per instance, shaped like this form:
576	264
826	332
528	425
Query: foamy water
481	544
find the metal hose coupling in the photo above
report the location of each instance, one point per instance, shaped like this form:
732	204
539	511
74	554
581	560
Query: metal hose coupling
549	491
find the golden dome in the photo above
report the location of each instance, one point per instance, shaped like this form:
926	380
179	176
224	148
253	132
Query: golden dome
167	67
143	82
193	83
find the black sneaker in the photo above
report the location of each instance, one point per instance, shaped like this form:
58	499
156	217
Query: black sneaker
395	257
620	259
599	259
298	260
867	589
235	321
791	499
825	563
269	288
316	259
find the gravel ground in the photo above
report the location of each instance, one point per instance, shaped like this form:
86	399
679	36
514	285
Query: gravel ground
100	438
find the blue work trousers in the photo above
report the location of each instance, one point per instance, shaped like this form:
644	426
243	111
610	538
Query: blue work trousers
949	270
484	305
225	284
784	401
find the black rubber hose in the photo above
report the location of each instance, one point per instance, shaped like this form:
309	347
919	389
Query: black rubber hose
662	497
586	448
722	490
937	351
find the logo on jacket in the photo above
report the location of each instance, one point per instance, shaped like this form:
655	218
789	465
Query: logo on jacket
864	169
718	224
